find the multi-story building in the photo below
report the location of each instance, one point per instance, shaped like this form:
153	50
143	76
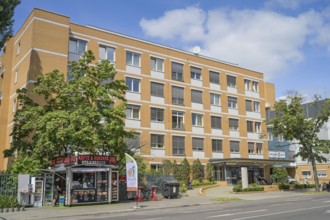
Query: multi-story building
180	104
281	149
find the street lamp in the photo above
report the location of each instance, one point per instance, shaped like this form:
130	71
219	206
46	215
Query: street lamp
76	154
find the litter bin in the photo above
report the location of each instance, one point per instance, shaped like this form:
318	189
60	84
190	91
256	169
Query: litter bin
171	189
61	201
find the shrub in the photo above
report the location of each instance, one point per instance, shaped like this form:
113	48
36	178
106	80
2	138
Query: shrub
251	188
282	186
280	175
183	188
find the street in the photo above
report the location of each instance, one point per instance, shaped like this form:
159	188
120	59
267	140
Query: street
302	208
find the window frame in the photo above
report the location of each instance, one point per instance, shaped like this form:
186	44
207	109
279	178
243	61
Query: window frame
231	84
257	127
323	175
233	128
247	84
106	53
178	149
249	126
232	102
195	73
131	86
195	146
158	141
178	98
155	60
176	74
158	112
256	106
217	81
132	109
154	92
232	147
196	96
306	176
196	118
214	98
217	148
132	61
213	121
253	150
178	115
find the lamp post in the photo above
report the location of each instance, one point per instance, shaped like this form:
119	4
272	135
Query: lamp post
68	154
76	154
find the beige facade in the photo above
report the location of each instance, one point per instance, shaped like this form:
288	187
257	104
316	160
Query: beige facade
238	100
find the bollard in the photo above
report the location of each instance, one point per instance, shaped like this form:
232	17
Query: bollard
153	195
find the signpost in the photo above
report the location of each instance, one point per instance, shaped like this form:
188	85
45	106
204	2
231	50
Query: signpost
132	176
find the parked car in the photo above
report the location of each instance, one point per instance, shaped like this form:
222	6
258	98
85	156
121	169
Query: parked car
291	180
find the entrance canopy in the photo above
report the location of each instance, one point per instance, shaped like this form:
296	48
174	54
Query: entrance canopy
249	161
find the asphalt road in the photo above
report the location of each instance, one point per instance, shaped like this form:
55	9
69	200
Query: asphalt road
316	207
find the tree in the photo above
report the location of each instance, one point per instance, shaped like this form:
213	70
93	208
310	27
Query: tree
167	167
280	175
209	172
7	8
197	170
184	172
291	121
76	114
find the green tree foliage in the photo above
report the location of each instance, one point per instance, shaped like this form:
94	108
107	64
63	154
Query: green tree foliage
184	172
78	113
197	170
7	8
167	167
209	175
280	175
25	165
291	121
176	170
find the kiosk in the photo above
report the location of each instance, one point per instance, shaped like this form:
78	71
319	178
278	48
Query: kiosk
88	179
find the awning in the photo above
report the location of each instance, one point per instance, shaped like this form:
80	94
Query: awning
249	161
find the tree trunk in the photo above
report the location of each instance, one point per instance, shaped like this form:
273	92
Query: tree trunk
316	179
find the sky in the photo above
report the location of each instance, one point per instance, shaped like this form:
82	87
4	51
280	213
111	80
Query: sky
286	40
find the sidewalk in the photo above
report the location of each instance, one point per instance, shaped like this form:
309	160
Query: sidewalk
193	198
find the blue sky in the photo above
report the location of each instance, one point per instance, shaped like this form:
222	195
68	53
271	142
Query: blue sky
287	40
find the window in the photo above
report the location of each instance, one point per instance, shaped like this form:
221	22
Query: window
16	76
196	96
177	71
251	148
249	125
14	105
132	59
255	86
248	105
321	173
247	84
216	145
215	99
178	120
157	64
133	84
233	124
178	145
76	49
133	112
231	81
177	95
215	122
134	143
107	53
214	77
234	146
306	173
157	115
196	73
198	144
157	140
257	126
197	119
259	148
256	106
157	89
18	48
232	102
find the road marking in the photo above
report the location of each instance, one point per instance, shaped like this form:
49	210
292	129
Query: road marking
278	213
238	213
226	210
286	203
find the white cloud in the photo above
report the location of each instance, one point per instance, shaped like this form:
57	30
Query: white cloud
187	24
261	40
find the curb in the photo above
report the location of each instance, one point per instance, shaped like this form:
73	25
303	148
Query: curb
201	190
